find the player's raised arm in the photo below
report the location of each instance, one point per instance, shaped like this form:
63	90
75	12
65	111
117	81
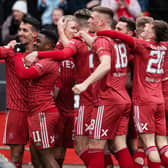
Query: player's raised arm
101	70
54	54
117	35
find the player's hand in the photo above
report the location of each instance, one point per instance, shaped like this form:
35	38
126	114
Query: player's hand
11	44
61	24
30	58
79	88
87	38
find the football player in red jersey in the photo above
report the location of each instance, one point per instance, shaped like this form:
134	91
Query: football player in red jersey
109	119
43	116
138	151
16	130
149	111
64	100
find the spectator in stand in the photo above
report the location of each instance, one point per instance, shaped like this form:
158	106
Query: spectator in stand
11	25
46	7
7	5
128	8
57	13
144	7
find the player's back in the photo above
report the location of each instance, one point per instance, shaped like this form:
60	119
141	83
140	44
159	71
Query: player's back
148	70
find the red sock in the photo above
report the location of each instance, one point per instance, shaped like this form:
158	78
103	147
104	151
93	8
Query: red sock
152	164
107	160
124	158
84	155
18	164
164	158
138	154
96	158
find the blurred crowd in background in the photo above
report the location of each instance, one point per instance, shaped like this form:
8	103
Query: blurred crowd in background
49	11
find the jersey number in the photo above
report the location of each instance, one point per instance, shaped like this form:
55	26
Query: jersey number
157	61
91	64
36	136
122	60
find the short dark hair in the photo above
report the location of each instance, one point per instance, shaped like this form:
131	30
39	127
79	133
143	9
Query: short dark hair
103	10
160	28
83	13
32	21
82	16
114	23
141	21
130	23
51	35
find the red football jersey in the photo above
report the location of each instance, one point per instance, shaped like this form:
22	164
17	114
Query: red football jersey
148	70
84	65
40	89
111	88
65	99
16	89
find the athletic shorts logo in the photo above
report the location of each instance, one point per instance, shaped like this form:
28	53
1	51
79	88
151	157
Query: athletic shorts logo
104	132
144	126
52	139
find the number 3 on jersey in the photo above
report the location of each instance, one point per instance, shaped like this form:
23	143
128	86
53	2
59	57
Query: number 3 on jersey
158	62
121	53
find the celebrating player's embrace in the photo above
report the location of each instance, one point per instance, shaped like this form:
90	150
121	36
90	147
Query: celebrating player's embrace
92	68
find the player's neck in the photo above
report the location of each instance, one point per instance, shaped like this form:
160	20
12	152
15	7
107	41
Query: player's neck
105	28
29	47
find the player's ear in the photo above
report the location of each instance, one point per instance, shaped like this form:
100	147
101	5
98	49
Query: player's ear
48	46
130	33
35	34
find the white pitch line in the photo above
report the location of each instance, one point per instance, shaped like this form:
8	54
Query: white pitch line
8	148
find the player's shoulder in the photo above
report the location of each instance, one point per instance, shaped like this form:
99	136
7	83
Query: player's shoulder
47	63
102	39
76	40
162	46
7	50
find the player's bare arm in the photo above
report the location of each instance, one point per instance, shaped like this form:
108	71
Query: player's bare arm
61	27
101	71
87	38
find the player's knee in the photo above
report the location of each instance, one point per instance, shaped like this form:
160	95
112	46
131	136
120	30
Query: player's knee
17	153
